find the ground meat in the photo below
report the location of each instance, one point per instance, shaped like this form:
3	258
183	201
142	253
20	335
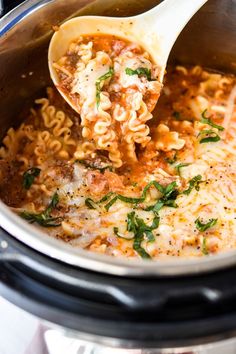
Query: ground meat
114	181
12	192
101	183
97	183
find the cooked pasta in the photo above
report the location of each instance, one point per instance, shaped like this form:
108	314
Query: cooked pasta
122	179
115	86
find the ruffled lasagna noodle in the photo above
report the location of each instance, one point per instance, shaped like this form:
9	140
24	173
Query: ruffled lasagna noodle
177	199
115	87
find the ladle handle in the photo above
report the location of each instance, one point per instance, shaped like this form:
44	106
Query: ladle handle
169	18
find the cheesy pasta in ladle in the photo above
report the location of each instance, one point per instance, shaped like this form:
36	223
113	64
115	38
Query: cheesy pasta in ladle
114	86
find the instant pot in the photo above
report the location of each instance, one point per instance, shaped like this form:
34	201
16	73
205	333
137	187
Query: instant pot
169	306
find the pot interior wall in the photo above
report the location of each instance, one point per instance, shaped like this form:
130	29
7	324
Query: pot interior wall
208	40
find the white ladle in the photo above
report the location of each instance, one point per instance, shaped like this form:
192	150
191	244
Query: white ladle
155	30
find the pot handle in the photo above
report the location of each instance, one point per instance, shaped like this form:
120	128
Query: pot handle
149	297
157	297
7	252
139	300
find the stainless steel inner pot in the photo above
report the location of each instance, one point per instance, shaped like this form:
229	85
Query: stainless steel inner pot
208	40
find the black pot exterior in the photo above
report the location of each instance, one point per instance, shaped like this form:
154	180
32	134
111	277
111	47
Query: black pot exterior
151	312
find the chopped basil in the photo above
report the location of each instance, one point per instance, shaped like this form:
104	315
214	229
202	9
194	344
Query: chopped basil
140	230
212	139
170	194
53	203
116	232
155	207
29	176
203	227
110	203
41	219
155	222
139	71
204	246
91	204
131	220
210	136
180	165
138	248
135	224
44	218
166	191
193	183
98	82
106	197
172	159
208	121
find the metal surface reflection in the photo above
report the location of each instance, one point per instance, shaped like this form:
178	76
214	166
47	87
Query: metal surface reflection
24	36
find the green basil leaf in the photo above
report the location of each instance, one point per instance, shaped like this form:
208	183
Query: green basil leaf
208	121
210	136
106	197
171	203
41	220
98	82
44	218
149	235
91	204
131	222
168	199
136	200
116	232
179	166
139	71
203	227
169	195
53	203
155	222
155	207
129	199
109	204
210	139
140	229
194	183
160	204
29	176
138	238
169	189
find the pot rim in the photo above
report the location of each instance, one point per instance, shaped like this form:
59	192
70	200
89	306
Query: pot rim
59	250
19	13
